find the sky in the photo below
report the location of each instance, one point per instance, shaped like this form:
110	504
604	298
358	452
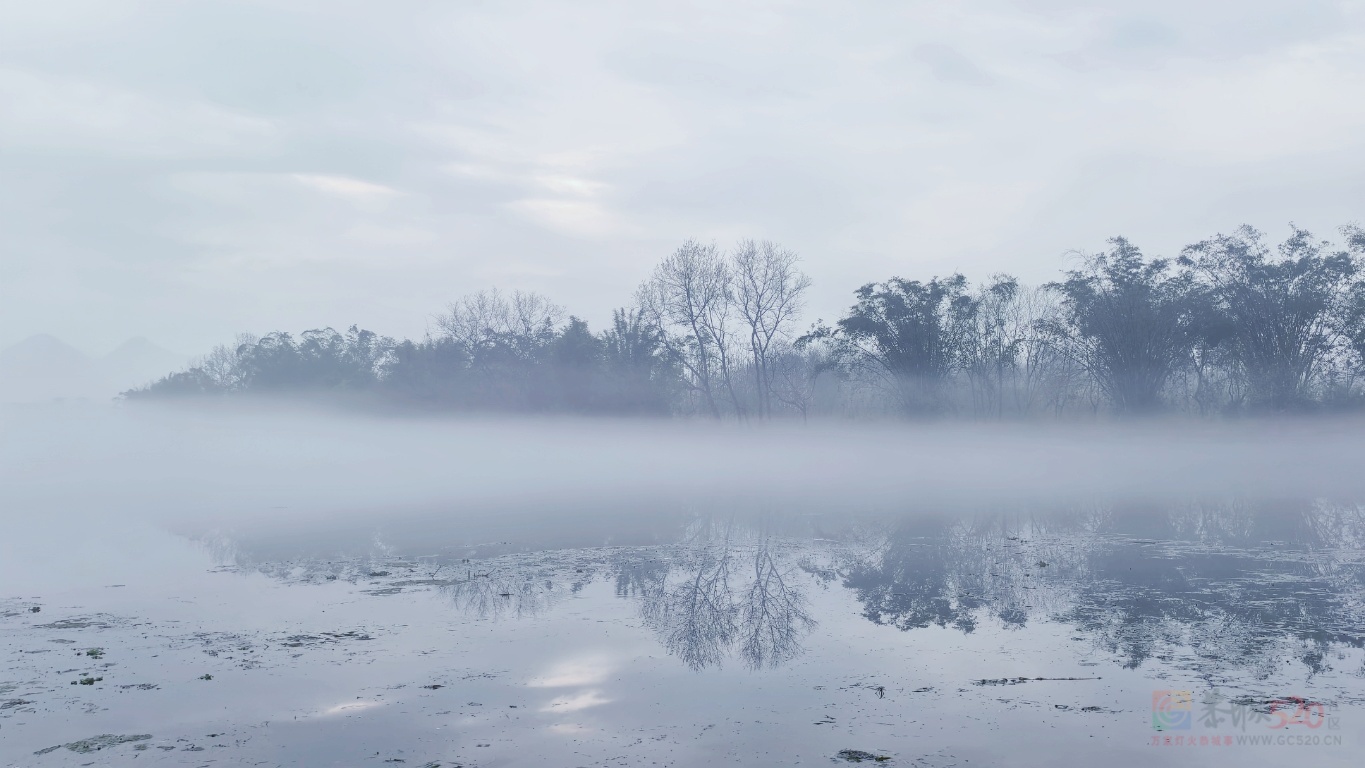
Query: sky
189	171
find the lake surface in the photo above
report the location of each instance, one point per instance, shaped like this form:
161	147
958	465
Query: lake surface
1025	637
586	628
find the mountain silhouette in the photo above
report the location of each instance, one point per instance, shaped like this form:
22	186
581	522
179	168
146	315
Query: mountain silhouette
43	368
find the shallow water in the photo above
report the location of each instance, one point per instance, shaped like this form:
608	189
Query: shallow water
1007	636
581	629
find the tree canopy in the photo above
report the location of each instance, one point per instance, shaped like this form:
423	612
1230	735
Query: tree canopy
1233	324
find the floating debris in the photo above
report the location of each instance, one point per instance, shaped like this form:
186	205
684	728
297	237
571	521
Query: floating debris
859	756
1021	680
77	623
13	703
96	743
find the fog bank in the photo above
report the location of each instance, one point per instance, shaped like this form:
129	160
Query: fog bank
242	463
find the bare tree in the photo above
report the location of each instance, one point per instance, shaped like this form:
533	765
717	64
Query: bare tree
769	291
223	365
688	299
796	371
718	323
482	318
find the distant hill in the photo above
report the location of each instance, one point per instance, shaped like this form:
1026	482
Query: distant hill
138	361
43	368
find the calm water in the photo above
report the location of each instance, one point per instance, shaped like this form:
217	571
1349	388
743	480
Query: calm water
261	586
682	634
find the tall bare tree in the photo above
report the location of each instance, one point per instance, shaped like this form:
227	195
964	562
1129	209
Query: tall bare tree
769	294
720	324
688	299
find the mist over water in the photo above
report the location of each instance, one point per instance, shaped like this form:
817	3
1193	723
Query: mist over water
250	462
604	578
314	481
484	385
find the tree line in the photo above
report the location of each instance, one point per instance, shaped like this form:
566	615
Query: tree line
1234	324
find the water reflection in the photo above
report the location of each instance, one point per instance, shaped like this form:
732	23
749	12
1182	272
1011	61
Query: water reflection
502	595
1215	587
1210	586
717	597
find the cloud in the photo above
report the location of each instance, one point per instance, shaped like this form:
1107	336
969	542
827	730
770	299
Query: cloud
345	187
166	172
572	217
43	111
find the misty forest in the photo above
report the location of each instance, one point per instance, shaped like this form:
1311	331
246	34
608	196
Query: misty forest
1235	324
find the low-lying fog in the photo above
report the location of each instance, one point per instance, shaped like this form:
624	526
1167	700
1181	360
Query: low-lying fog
183	464
288	586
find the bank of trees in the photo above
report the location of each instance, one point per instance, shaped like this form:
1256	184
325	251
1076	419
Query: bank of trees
1234	324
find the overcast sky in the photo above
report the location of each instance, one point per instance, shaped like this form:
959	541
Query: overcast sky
188	170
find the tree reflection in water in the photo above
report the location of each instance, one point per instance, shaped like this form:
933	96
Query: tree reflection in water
716	596
502	595
1231	585
1210	586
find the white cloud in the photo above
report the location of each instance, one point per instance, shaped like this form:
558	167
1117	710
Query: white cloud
345	187
42	111
399	236
581	218
570	186
292	159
